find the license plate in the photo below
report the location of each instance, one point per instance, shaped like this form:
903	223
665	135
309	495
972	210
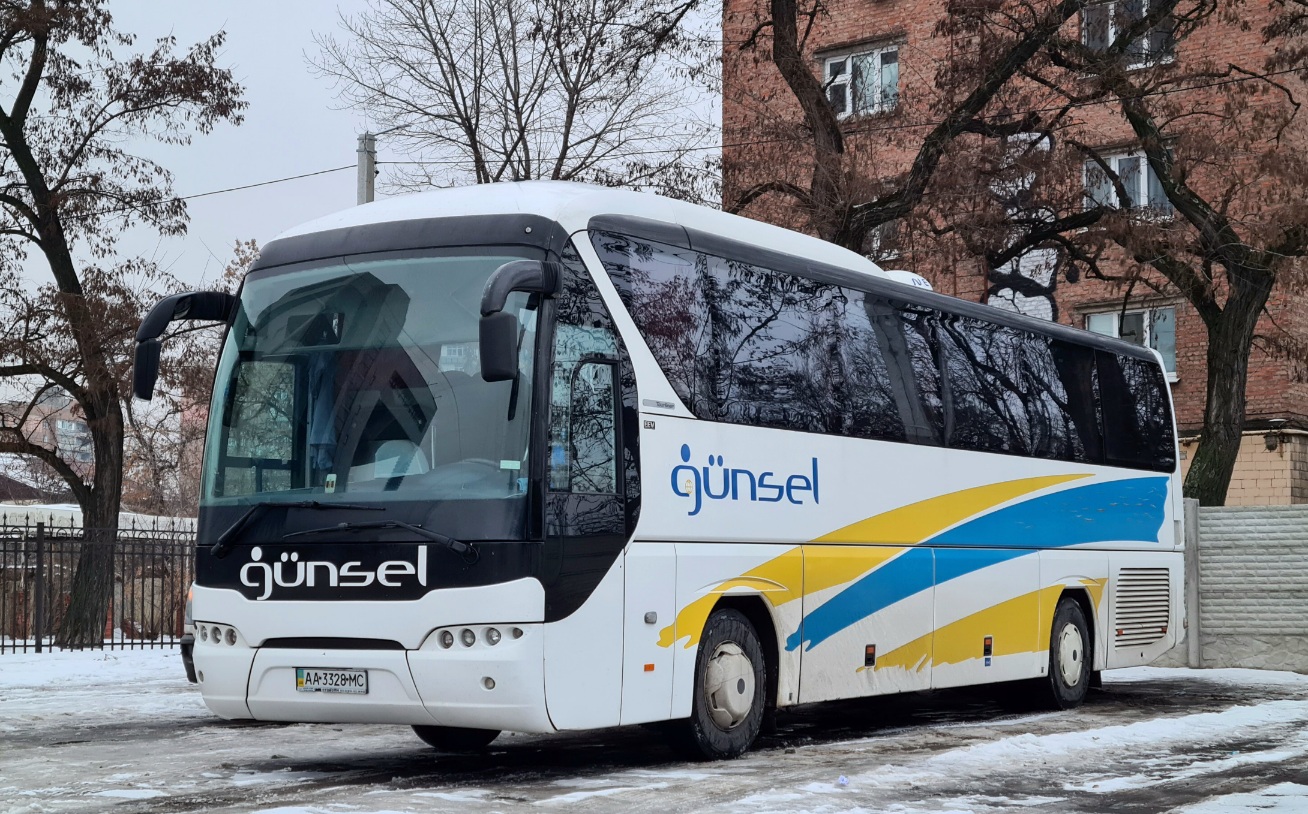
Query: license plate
318	679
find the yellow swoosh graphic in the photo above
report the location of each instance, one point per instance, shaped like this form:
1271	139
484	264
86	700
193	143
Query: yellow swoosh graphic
783	578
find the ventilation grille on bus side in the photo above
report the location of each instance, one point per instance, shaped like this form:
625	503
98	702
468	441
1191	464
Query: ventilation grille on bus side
1143	606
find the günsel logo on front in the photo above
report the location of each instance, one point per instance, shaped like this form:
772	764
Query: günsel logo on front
263	576
718	481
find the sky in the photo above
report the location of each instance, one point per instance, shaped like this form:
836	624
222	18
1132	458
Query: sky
292	127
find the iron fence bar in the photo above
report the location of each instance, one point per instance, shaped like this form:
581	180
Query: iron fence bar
38	613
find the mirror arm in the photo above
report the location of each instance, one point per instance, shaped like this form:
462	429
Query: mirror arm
533	276
209	306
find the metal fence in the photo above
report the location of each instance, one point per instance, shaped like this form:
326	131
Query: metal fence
152	570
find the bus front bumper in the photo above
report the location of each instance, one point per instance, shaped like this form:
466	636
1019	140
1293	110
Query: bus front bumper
480	686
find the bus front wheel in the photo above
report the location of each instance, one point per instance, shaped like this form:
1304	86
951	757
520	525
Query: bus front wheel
1070	657
456	739
730	682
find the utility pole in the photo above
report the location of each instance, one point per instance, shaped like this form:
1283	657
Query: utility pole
367	167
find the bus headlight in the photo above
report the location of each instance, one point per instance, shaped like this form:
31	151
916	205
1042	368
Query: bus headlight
492	636
446	639
468	637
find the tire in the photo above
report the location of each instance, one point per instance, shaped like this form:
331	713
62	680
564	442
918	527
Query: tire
729	701
456	739
1071	656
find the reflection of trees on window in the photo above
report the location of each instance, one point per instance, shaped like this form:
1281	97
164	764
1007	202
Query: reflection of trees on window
749	345
592	432
1009	392
583	428
261	428
1137	425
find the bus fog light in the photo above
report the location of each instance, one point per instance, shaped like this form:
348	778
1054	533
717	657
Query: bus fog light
468	637
231	635
446	639
492	636
488	683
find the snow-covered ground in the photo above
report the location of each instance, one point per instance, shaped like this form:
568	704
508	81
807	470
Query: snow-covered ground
124	732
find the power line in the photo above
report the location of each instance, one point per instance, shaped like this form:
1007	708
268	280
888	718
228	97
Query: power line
684	150
215	192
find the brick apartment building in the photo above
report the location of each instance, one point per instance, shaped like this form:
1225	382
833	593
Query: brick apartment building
878	61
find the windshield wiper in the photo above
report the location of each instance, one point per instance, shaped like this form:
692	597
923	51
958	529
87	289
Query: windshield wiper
465	550
224	542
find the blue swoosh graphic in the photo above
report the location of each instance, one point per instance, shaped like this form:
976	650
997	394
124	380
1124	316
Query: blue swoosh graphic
1130	510
898	579
1124	510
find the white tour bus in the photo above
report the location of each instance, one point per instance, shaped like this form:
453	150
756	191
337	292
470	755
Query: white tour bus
544	456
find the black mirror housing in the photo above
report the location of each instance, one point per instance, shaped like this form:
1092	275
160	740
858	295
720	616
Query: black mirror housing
210	306
145	368
498	334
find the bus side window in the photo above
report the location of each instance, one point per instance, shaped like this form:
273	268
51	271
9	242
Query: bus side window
592	432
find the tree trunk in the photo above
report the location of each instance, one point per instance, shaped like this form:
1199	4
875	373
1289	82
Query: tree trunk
83	623
1230	338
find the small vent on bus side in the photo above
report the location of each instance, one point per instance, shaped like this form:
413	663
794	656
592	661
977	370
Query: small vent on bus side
1143	606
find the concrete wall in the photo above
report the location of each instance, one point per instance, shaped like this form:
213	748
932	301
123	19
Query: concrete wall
1247	599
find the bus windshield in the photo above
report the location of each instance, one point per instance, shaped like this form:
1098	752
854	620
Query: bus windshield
359	380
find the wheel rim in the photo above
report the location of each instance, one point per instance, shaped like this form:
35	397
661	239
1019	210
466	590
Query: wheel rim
729	686
1071	655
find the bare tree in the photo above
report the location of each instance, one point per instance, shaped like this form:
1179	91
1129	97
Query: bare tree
165	436
505	90
75	93
1032	97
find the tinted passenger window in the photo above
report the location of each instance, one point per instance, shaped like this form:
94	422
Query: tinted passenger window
1137	423
749	345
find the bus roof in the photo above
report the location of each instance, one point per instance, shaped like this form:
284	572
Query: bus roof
572	205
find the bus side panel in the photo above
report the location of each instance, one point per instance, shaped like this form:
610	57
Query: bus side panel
1075	570
648	670
1145	601
988	625
867	626
583	659
708	572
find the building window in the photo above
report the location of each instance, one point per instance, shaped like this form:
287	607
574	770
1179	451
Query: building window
1143	191
1101	23
1150	327
863	83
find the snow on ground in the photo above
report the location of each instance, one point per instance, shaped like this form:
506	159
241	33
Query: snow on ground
123	731
94	687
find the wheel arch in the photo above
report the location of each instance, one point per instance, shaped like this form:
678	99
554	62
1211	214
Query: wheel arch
758	611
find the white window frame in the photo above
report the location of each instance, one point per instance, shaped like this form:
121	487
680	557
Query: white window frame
1146	198
1145	59
838	74
1116	314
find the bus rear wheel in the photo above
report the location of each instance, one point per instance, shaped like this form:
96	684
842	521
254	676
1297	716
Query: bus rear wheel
1070	656
730	683
456	739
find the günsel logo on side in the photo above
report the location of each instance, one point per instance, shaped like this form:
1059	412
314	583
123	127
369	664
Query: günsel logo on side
263	576
717	481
